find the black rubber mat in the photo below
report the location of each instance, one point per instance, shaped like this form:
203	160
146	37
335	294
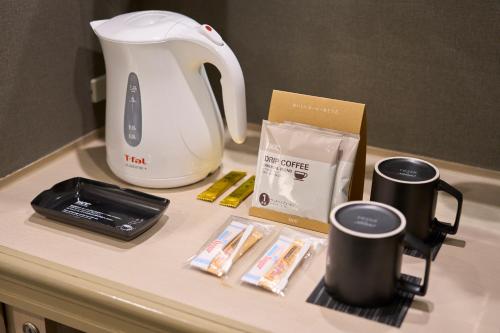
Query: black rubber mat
392	314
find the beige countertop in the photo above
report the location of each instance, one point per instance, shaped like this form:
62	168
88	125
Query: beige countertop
146	281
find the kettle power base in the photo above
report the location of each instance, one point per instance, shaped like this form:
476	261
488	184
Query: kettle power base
100	207
392	314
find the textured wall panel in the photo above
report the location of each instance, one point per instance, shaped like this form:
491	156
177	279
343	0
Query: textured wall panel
429	71
48	56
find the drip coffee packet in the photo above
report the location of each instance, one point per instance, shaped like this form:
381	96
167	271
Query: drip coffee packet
296	170
348	150
347	157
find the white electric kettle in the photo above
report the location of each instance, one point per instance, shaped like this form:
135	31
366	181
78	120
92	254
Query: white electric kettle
163	125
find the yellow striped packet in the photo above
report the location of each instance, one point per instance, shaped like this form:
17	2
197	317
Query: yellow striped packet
221	186
240	194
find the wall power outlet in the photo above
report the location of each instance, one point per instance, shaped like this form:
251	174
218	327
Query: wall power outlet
98	89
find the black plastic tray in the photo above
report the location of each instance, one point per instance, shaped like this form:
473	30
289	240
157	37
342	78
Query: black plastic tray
100	207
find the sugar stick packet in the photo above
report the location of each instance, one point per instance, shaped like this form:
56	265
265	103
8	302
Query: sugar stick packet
240	194
221	186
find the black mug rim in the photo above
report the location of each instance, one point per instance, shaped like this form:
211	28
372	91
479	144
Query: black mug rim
430	180
336	224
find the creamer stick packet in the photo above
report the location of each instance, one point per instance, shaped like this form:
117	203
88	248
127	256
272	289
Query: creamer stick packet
216	264
277	278
267	261
221	264
216	246
252	239
274	268
233	251
230	243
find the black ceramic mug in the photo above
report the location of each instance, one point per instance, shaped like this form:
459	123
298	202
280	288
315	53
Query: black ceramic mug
365	249
411	185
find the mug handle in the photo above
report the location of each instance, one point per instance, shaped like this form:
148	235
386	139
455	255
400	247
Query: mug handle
447	227
413	288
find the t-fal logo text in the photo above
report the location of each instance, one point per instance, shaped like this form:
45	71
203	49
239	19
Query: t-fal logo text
135	160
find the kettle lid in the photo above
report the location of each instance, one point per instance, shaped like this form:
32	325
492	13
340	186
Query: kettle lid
140	27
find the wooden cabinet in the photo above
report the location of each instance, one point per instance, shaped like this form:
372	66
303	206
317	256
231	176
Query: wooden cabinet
2	320
20	321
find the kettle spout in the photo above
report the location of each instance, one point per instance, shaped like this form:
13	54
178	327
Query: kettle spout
96	24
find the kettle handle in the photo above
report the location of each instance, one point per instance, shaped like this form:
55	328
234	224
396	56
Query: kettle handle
232	81
233	94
